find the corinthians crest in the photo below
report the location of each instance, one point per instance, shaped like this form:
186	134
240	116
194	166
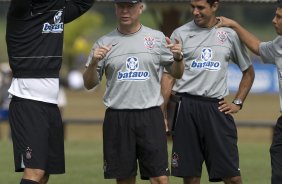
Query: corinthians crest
222	36
149	42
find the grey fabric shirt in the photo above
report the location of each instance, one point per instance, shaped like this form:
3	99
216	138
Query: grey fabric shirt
207	53
271	52
133	68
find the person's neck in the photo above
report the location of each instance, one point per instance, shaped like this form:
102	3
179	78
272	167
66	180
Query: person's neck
212	23
129	29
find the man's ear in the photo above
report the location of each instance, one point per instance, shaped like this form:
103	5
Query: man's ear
215	6
141	9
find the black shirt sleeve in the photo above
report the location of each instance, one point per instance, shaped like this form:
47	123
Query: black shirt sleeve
19	8
75	8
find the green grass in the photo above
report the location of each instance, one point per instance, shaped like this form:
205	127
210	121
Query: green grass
84	164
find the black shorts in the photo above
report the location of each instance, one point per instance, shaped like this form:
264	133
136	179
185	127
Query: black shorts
37	134
203	133
134	135
276	153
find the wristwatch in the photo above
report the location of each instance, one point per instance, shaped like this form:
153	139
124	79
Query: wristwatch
238	102
178	60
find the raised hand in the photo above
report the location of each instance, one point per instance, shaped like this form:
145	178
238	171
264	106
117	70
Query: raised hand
225	22
175	48
100	53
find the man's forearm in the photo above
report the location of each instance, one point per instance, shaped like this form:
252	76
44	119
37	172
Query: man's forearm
250	40
246	83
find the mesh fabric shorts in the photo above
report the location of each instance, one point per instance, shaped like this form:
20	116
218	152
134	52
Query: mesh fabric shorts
37	134
204	134
131	135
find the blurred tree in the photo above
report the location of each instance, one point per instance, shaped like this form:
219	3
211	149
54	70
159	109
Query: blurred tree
75	42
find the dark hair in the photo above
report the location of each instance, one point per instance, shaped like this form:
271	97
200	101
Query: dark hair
213	1
279	3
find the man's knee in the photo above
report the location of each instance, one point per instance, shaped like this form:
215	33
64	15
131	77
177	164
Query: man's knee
159	180
34	174
192	180
233	180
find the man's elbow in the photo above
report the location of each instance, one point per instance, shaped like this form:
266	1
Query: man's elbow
89	86
177	75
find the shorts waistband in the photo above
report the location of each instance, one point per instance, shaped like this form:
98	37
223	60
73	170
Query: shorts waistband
149	108
201	98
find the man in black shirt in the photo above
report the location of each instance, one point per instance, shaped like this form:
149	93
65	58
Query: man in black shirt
34	39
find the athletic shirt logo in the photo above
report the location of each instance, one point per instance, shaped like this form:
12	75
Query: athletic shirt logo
222	36
206	62
132	73
149	42
57	27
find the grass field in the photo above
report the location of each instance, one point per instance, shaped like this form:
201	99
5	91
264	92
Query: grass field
84	161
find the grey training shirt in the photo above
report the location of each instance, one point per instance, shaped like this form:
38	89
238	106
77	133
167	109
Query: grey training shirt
271	52
133	68
207	53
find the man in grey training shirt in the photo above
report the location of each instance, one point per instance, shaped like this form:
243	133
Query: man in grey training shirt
205	130
132	57
270	52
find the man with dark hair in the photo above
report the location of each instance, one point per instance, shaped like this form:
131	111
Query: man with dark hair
270	52
205	130
34	39
132	57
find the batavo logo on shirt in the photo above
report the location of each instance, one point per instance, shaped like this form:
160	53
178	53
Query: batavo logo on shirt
57	27
206	62
132	73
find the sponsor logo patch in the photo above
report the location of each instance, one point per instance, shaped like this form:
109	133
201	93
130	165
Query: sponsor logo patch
206	62
132	73
57	27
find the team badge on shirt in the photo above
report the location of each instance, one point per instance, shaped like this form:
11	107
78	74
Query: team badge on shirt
133	73
222	36
149	42
206	62
57	27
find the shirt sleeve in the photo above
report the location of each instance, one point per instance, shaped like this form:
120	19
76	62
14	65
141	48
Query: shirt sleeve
269	50
75	8
19	8
239	54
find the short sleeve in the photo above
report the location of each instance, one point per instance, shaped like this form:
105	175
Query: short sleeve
270	50
239	53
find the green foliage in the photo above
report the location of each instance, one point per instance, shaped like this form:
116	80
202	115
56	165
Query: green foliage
75	42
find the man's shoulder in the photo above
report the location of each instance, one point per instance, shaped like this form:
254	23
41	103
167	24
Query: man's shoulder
109	35
152	31
189	26
229	31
